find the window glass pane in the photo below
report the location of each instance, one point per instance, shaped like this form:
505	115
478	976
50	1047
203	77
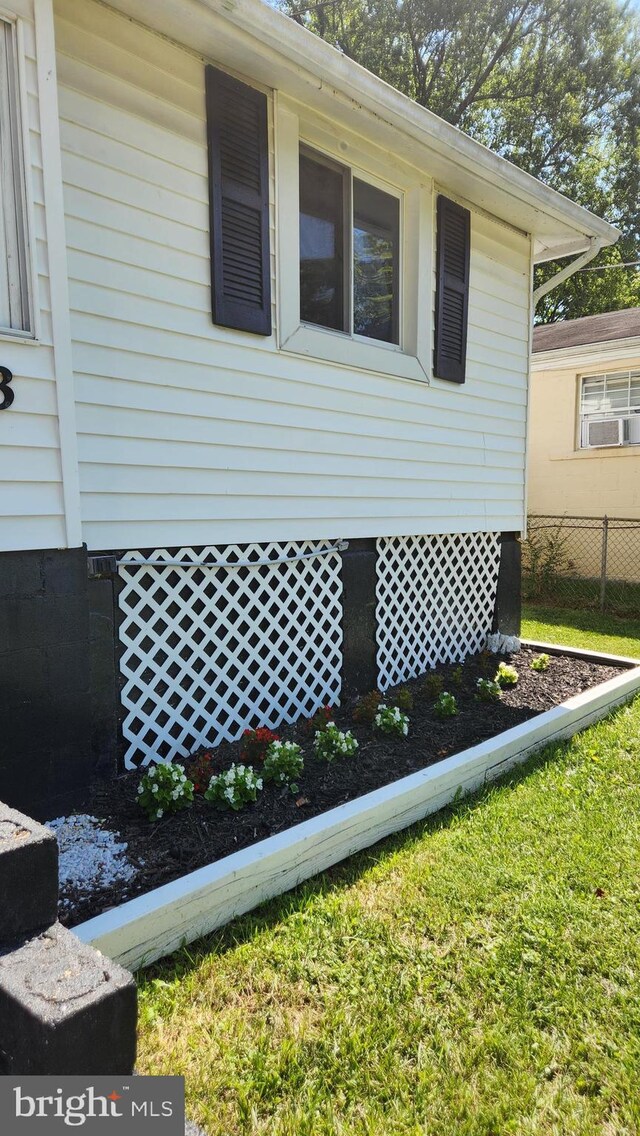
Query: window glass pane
375	263
617	398
616	395
322	209
14	302
592	395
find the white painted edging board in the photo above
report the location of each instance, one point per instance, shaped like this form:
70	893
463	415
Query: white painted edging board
152	925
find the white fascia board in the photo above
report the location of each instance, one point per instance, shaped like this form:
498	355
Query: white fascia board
587	355
254	40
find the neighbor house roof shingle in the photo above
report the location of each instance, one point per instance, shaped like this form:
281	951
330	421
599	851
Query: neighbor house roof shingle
588	329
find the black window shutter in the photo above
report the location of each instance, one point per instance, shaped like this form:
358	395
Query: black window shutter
452	290
239	204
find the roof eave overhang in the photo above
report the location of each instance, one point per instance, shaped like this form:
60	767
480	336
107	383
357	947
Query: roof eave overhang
251	38
585	354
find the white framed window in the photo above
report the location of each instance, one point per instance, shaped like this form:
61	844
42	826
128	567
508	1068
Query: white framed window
610	409
355	246
349	251
16	316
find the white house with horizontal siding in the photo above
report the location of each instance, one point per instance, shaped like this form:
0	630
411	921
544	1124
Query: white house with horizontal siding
265	330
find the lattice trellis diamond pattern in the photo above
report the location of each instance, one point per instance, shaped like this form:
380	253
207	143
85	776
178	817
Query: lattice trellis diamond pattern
435	601
208	652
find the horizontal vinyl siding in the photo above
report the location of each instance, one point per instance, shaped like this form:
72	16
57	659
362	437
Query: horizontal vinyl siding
189	433
31	497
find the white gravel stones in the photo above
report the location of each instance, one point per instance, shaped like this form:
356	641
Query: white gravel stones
91	856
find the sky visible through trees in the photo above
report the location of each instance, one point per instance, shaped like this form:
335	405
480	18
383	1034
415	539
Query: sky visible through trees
552	85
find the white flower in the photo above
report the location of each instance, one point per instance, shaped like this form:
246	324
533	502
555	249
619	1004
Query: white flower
140	789
154	788
229	794
159	813
259	783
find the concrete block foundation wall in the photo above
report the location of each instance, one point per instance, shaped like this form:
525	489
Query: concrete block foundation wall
57	679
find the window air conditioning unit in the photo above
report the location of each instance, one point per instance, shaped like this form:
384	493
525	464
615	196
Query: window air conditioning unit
605	432
633	429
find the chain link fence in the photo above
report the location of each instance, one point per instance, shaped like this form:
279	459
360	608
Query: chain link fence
590	562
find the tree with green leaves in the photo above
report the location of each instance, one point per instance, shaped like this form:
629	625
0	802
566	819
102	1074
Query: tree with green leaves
552	85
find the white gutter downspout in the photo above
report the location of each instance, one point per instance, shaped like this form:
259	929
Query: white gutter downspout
595	244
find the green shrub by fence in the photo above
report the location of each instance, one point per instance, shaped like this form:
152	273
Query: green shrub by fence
591	562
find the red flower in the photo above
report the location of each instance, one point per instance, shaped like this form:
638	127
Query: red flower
200	772
255	743
320	720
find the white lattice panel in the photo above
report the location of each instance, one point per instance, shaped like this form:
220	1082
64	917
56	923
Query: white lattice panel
208	652
435	600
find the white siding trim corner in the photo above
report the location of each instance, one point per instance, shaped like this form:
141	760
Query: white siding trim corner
57	255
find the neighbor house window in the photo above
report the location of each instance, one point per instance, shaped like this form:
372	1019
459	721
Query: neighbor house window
610	409
14	277
349	252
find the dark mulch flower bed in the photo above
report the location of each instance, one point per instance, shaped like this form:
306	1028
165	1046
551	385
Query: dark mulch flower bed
200	834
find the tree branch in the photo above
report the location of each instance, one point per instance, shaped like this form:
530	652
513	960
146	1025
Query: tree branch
499	53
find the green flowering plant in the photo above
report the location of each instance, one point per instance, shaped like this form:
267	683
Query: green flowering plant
487	690
391	720
457	676
433	685
445	706
331	743
236	787
367	707
540	663
283	764
401	698
506	675
486	659
164	788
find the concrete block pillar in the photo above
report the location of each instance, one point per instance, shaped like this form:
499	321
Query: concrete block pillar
359	672
508	607
65	1009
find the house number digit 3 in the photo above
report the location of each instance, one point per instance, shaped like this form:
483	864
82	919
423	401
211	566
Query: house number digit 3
6	394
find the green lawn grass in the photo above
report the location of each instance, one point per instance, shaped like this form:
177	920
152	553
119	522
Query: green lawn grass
582	628
476	976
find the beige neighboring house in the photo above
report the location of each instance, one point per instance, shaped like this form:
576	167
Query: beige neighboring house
584	432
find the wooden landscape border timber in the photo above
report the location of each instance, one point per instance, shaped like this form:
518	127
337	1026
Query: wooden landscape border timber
151	926
580	653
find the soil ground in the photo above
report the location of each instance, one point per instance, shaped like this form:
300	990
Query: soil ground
166	849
